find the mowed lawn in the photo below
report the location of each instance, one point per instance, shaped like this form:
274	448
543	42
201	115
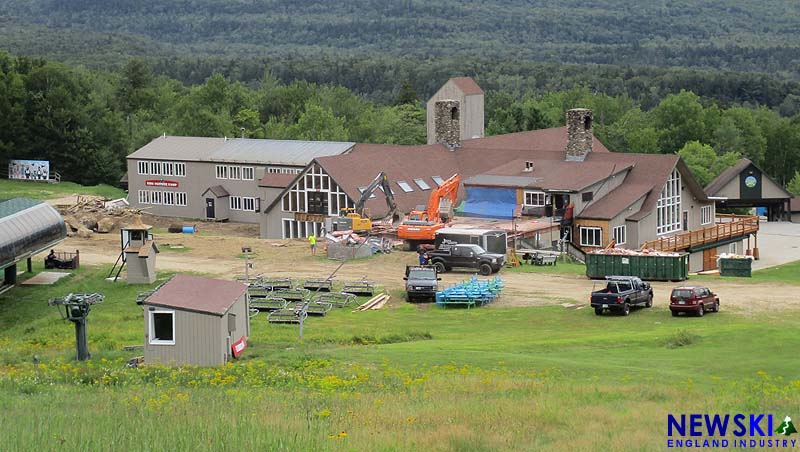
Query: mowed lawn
411	377
43	190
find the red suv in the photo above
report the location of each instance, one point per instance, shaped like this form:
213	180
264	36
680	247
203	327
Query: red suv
693	299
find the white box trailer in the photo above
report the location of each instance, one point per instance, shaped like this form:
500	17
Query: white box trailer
491	240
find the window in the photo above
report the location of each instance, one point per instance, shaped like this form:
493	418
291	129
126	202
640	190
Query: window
706	214
180	169
404	185
168	168
180	199
248	173
587	196
235	172
169	198
162	327
422	184
236	202
591	236
669	205
155	197
143	168
439	181
144	197
249	204
222	172
535	198
619	234
155	168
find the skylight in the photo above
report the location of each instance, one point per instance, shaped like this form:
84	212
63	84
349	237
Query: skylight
404	185
439	181
422	184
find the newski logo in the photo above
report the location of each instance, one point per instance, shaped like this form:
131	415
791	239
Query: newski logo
745	430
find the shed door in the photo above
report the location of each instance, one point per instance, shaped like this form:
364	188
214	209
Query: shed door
210	211
709	259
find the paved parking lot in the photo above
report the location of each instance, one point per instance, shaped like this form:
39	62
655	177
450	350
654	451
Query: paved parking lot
778	243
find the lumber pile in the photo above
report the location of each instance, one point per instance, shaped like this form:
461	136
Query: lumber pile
376	302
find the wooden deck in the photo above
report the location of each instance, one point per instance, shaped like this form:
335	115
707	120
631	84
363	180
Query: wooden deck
726	227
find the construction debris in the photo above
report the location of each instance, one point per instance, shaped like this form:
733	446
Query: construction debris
627	252
95	214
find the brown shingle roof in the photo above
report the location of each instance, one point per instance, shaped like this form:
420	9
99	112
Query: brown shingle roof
195	293
615	202
276	180
554	174
726	176
467	85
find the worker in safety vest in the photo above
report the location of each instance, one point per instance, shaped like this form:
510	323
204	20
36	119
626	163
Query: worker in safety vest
312	241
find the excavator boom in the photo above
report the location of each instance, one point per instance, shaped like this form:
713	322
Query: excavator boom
421	226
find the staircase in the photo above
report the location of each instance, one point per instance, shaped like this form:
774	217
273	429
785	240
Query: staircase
727	227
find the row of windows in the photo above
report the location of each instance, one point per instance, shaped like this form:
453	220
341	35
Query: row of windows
167	198
147	168
535	199
593	236
234	172
246	203
283	170
293	229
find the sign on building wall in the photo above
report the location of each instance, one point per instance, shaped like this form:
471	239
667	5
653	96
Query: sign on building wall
29	169
161	183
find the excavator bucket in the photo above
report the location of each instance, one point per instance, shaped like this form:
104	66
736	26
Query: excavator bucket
396	220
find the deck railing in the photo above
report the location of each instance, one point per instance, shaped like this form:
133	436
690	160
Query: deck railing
726	227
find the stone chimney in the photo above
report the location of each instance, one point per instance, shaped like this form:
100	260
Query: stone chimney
579	134
447	126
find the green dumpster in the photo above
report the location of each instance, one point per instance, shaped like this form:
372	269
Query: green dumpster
735	267
645	266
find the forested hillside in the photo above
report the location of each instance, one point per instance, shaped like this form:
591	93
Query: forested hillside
740	35
86	122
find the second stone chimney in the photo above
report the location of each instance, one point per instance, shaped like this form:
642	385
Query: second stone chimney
447	123
579	134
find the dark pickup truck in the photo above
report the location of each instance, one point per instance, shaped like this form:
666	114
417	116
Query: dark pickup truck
621	293
422	282
467	256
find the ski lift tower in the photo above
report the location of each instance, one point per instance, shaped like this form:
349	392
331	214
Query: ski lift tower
76	310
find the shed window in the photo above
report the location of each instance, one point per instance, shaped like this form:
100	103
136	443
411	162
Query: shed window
162	327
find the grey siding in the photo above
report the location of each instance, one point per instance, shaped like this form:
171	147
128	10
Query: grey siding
199	177
197	340
598	190
630	227
471	122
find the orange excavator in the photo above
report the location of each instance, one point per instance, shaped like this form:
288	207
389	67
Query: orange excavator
421	225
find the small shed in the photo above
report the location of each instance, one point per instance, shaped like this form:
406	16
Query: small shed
27	227
196	321
217	201
139	251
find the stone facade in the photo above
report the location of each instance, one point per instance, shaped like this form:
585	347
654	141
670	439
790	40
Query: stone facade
579	134
447	116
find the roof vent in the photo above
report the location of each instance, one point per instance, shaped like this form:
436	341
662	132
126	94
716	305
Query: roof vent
528	166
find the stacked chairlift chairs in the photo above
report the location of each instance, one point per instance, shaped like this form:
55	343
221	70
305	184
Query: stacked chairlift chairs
471	293
290	302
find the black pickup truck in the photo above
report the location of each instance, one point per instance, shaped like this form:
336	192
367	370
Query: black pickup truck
466	256
621	293
422	282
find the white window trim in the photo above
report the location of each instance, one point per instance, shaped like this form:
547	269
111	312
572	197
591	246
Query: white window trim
234	172
222	172
180	196
422	184
144	197
152	327
252	200
592	228
537	193
438	180
706	214
143	167
669	217
180	169
248	173
235	202
624	234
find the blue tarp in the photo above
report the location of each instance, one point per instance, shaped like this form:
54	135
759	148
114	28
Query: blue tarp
490	202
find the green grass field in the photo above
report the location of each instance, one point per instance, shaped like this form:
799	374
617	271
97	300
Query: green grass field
412	377
41	190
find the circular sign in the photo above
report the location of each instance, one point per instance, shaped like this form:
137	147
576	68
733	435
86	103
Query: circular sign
750	181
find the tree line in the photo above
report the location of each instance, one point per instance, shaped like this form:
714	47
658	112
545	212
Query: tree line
87	121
